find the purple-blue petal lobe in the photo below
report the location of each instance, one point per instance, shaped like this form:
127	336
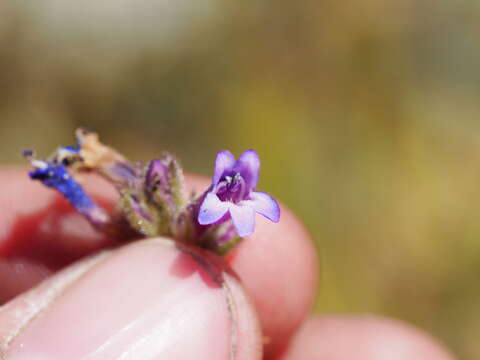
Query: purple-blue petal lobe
27	153
123	172
212	209
73	149
232	193
243	217
223	163
265	205
248	165
57	177
157	171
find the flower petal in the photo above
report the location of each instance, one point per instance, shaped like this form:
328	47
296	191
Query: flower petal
248	165
243	217
57	177
224	162
122	173
212	209
265	205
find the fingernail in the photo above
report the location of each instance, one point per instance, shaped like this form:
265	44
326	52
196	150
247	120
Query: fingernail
147	300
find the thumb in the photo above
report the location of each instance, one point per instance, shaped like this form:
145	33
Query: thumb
151	299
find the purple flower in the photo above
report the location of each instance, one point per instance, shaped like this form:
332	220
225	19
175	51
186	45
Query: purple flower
232	194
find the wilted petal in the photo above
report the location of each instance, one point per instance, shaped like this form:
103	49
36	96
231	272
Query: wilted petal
66	154
212	209
122	173
243	216
28	153
56	176
224	162
248	165
265	205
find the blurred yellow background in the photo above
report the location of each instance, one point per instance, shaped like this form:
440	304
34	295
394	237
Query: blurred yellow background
365	114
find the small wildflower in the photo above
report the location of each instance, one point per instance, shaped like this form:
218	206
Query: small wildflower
153	196
232	195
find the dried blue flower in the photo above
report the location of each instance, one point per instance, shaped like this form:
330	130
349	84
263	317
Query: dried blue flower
55	175
232	194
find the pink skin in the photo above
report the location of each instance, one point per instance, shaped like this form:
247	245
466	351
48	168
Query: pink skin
153	299
362	337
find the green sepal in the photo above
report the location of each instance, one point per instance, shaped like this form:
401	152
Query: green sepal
220	238
177	181
137	214
227	246
165	187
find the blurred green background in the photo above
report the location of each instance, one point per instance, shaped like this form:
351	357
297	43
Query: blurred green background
365	114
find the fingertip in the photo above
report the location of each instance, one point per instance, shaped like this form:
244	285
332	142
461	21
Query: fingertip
148	299
17	275
39	226
278	266
363	337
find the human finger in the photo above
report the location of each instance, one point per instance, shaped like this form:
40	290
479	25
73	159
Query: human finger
278	266
150	299
363	337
